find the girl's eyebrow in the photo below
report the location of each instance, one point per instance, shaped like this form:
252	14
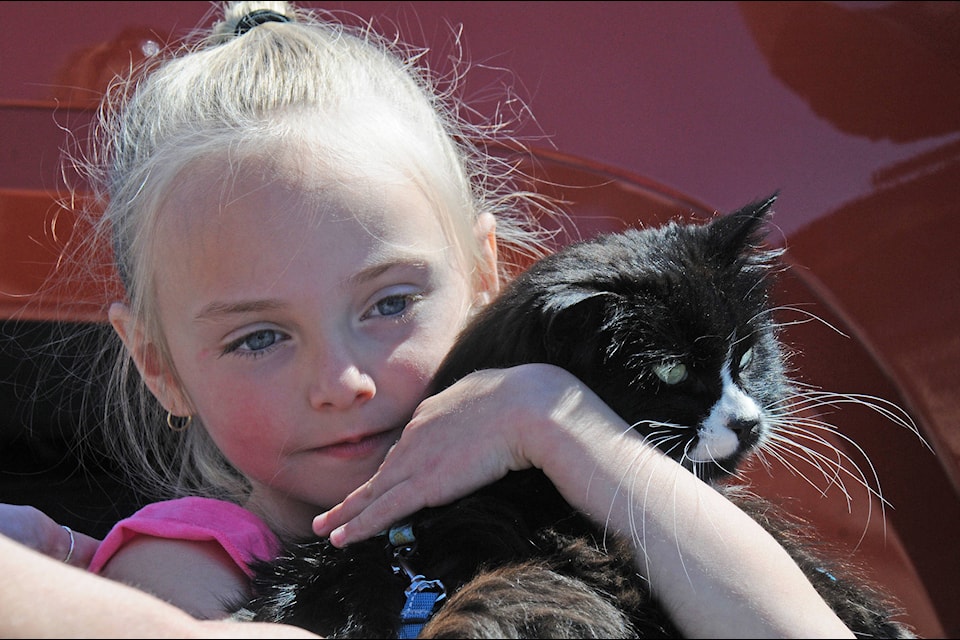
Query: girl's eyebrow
375	270
216	310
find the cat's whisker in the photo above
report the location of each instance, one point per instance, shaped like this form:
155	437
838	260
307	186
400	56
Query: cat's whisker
658	434
813	399
790	431
699	466
606	522
759	457
805	402
846	494
779	451
676	528
807	317
655	434
873	487
786	438
765	313
637	538
785	452
828	467
637	527
774	451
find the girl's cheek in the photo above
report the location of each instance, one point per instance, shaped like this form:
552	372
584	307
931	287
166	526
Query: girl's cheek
240	420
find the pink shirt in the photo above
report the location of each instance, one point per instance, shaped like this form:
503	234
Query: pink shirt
243	535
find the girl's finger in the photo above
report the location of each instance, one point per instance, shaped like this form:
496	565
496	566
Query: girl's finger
359	516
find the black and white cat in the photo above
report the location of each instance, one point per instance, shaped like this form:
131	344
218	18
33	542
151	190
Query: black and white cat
673	328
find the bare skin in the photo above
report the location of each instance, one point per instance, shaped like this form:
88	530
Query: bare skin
80	604
30	526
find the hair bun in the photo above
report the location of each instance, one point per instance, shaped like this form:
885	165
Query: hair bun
258	17
239	17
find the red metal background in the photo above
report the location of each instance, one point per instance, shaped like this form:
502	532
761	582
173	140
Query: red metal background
851	109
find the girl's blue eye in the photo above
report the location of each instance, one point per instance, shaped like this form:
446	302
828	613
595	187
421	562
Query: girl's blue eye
260	340
255	342
391	305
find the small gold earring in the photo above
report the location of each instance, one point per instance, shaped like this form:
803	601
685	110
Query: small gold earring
183	425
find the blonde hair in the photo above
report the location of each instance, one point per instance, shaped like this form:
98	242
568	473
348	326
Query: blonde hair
226	91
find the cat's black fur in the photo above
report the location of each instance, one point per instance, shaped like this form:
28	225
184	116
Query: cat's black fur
648	319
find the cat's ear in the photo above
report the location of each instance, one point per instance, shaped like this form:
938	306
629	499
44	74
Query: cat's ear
735	233
574	312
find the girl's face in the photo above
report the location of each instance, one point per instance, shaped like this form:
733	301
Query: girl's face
305	322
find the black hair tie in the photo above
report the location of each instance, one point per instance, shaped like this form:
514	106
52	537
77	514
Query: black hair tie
254	18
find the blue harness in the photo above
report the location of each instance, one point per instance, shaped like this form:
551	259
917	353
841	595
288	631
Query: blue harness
424	597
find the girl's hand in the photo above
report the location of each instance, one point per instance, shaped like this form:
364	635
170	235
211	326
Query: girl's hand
459	440
35	529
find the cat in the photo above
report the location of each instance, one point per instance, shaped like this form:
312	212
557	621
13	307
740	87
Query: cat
673	328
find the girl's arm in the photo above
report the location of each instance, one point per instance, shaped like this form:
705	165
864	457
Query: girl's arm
718	572
196	576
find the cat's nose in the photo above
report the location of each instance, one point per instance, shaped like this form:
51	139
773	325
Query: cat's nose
744	427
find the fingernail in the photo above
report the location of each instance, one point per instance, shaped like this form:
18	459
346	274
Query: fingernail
317	526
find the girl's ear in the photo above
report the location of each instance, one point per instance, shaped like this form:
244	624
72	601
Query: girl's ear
489	285
154	371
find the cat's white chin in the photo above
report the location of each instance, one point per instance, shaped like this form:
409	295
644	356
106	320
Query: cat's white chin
715	448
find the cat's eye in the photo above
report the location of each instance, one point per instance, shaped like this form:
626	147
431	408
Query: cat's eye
746	359
671	372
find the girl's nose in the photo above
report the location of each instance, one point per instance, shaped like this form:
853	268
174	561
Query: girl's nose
339	384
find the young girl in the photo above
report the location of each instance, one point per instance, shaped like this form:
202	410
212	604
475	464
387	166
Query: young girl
302	223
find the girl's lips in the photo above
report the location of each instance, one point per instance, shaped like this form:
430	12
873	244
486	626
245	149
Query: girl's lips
362	447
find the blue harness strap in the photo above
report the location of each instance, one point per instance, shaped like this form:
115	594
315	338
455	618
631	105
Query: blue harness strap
423	600
424	597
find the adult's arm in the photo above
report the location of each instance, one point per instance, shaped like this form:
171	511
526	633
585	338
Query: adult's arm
31	527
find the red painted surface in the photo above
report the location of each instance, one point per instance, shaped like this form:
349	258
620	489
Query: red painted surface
851	109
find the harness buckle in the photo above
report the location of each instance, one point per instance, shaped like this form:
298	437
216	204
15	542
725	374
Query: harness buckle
424	596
